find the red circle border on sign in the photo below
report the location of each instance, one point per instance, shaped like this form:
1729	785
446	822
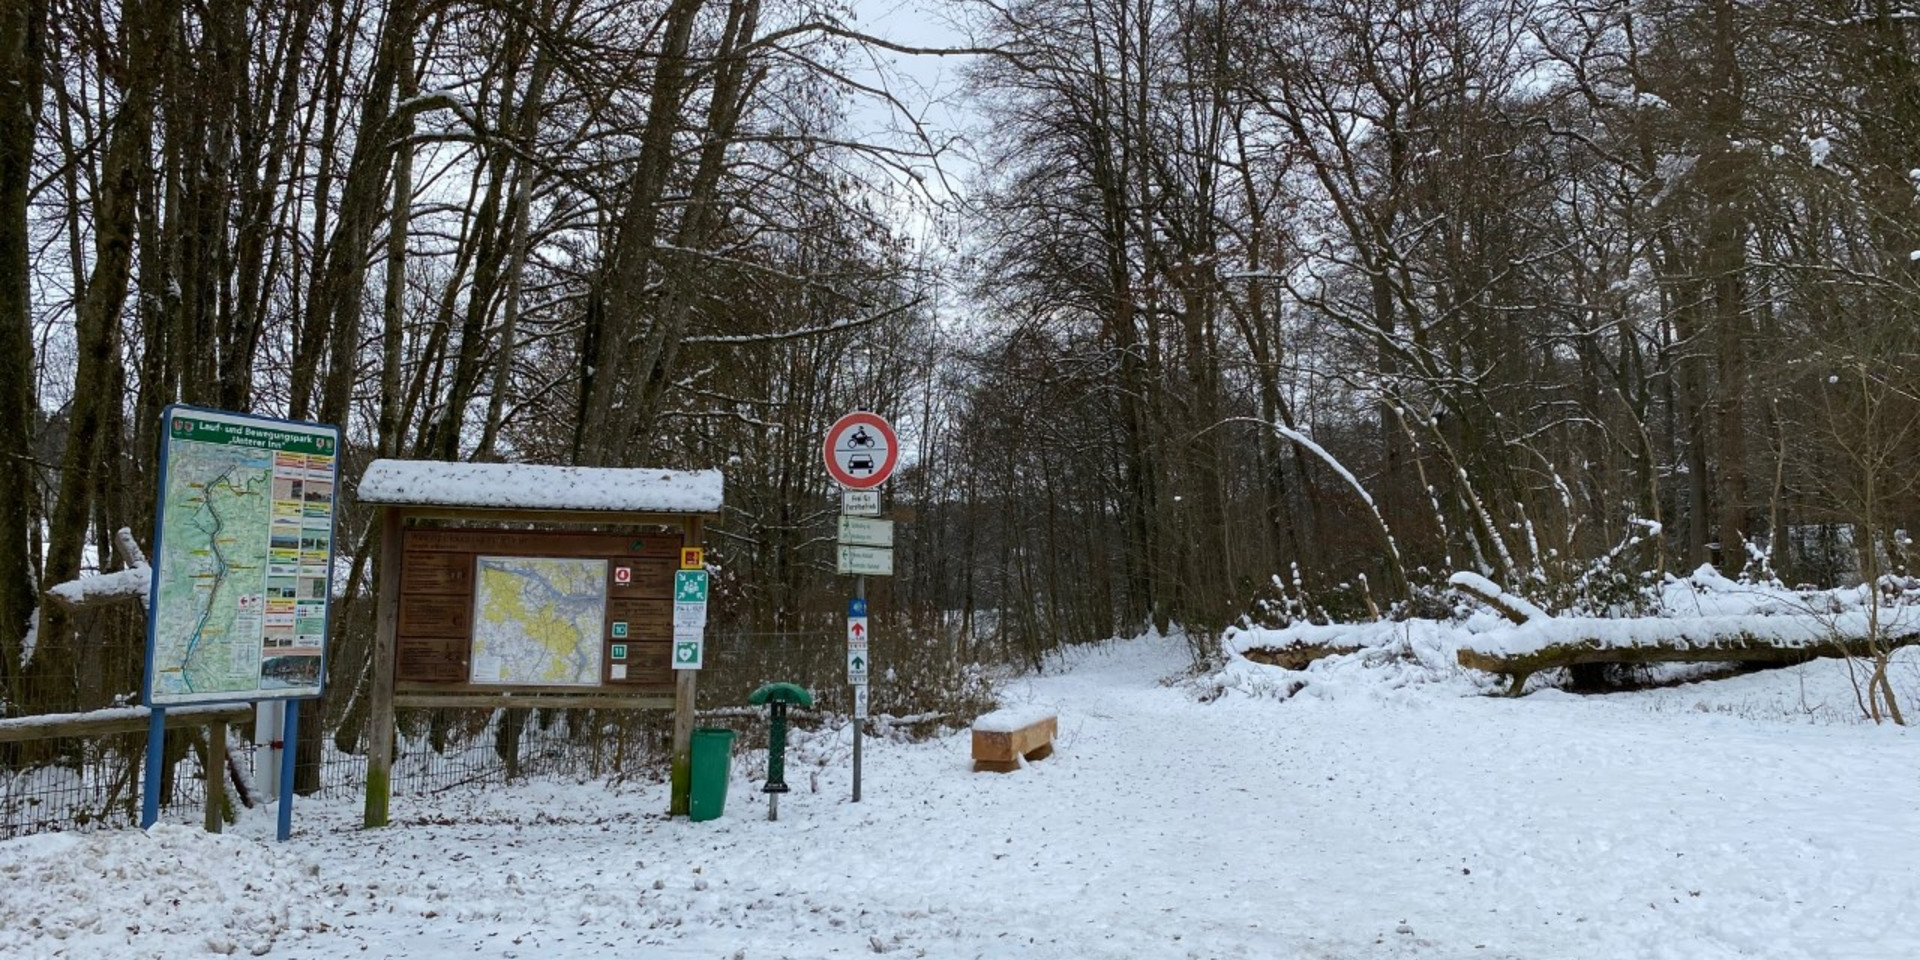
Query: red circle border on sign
848	422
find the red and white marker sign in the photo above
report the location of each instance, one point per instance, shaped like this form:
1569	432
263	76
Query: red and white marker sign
861	450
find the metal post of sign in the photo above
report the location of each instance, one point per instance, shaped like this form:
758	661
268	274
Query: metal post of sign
860	452
266	746
156	745
859	593
289	734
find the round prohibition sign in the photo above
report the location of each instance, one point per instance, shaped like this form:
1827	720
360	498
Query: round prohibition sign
861	450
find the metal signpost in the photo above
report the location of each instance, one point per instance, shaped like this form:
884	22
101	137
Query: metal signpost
242	573
861	451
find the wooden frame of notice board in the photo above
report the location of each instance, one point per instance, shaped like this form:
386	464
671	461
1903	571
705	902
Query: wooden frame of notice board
430	561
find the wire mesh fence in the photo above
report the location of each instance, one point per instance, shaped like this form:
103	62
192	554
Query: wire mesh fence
79	783
93	782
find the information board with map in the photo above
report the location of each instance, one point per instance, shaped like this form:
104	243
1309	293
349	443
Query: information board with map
243	553
538	620
489	609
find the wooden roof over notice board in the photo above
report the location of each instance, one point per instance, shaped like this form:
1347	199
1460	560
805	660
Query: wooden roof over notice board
525	487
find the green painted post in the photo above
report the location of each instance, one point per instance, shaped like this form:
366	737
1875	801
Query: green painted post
776	759
776	696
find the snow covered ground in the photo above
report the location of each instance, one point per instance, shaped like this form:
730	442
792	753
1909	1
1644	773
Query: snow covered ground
1743	818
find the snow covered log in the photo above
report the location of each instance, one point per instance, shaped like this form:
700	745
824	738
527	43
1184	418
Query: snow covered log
1296	656
1739	646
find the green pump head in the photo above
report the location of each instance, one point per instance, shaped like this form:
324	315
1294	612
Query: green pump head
781	693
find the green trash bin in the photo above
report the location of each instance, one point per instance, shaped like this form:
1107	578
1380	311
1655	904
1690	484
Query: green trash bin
712	762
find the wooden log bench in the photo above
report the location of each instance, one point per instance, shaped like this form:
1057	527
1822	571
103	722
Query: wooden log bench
1002	738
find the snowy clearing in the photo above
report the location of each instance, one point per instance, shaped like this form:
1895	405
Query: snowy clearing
1709	821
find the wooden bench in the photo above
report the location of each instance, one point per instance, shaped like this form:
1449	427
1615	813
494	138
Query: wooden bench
1003	737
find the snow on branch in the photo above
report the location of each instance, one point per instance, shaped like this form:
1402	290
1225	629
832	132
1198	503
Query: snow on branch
133	583
129	584
821	330
1306	443
1511	606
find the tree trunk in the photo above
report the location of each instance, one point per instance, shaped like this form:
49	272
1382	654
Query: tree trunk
22	35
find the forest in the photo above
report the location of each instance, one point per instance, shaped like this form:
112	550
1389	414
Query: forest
1284	310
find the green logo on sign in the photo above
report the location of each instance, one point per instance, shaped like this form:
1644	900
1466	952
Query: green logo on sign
620	629
619	651
686	653
690	586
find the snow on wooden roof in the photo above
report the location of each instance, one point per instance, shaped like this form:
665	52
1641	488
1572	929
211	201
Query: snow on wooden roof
526	486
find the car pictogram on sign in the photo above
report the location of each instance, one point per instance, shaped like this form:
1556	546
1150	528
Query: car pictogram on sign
861	450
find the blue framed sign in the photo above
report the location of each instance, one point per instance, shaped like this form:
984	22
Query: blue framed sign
242	558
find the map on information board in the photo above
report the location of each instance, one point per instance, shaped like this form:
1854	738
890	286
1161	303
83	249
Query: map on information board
243	552
538	621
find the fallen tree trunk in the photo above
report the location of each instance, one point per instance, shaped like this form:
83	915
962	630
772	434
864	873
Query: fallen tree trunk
1742	648
1296	656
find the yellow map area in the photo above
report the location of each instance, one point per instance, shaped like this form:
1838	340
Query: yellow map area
538	621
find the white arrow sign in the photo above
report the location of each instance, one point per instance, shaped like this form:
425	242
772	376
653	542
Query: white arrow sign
865	532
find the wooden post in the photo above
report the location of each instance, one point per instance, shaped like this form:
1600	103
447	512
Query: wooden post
681	789
386	627
216	770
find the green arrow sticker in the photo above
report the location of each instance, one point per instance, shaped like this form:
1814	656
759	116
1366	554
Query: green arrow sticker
690	586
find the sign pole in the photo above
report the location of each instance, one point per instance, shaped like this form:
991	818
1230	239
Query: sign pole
861	451
860	594
156	745
287	754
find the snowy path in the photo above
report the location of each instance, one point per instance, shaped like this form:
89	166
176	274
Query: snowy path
1546	829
